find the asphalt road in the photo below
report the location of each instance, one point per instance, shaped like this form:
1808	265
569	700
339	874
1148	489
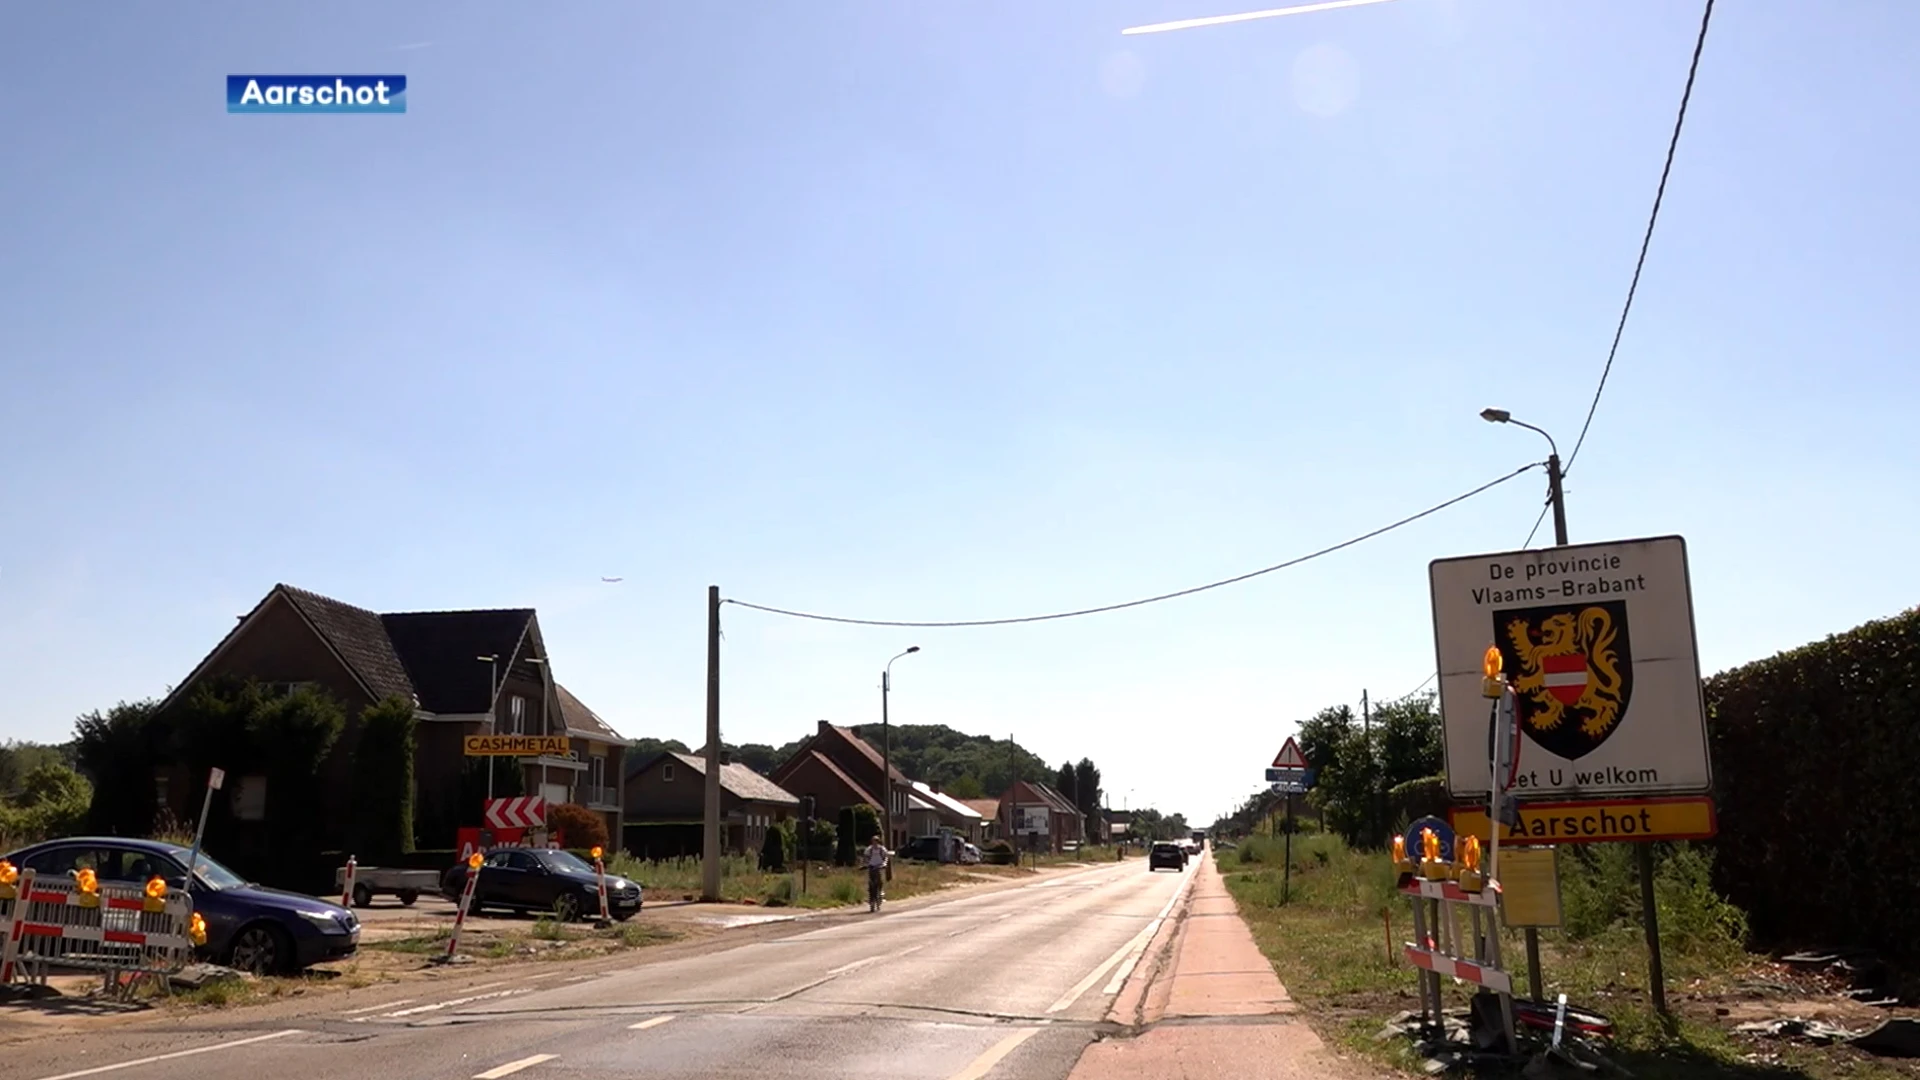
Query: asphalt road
1012	983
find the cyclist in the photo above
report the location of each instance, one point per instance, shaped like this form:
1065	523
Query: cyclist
875	860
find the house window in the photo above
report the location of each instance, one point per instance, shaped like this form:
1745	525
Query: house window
666	773
597	771
516	715
160	790
250	798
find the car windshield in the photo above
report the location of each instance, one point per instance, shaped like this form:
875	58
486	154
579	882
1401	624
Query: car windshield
215	875
564	860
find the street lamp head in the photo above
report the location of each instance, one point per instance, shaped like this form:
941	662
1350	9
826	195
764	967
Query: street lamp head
486	659
1495	416
913	648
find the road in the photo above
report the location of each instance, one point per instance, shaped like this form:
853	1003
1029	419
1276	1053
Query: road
1010	983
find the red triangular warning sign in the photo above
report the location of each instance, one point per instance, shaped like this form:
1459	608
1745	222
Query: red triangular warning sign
1290	756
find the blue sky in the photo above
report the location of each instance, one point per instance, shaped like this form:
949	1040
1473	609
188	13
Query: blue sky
943	311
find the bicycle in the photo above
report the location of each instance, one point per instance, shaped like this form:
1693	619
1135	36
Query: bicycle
875	893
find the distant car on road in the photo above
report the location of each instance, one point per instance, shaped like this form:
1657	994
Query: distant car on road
1168	854
249	927
545	880
919	849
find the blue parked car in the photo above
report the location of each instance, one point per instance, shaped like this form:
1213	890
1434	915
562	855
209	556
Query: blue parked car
249	927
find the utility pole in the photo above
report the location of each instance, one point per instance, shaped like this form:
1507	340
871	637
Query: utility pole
710	851
1366	740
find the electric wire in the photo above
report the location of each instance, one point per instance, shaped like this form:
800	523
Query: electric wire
1151	599
1646	240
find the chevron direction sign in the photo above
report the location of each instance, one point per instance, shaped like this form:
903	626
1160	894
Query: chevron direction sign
520	812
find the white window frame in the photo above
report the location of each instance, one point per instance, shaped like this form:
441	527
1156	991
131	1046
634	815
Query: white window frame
516	715
666	773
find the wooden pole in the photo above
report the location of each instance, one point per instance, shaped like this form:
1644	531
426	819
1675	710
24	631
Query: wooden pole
710	853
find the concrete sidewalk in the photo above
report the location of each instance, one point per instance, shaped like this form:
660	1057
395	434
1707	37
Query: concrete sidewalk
1212	1007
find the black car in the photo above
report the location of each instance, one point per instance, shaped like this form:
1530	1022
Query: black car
542	879
1168	854
919	849
249	927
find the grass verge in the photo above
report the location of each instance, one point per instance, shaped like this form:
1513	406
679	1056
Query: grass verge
825	886
1333	939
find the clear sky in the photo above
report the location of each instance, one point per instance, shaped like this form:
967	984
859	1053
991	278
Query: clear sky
943	311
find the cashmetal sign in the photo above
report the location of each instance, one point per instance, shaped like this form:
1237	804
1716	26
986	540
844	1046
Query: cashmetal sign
1598	821
516	745
1597	641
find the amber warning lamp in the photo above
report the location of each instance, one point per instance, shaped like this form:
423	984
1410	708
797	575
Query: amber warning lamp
1492	683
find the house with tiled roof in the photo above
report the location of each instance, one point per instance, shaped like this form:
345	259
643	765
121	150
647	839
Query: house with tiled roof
838	768
665	806
464	672
1036	817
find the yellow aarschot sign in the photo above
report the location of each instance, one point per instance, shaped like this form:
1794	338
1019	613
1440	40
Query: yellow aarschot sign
516	745
1598	821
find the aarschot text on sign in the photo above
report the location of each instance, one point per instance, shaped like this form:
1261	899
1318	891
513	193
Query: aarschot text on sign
516	745
1598	821
1597	641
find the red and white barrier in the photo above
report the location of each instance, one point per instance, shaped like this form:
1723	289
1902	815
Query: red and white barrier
600	871
118	929
1464	970
346	889
466	901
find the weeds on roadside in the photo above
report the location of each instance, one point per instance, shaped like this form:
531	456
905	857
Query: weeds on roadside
548	928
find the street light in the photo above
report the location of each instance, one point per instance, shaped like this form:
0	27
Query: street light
886	749
1554	494
493	703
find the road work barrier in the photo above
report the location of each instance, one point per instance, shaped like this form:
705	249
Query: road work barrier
79	923
474	863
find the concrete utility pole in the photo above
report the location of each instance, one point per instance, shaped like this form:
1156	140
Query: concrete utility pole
886	751
710	852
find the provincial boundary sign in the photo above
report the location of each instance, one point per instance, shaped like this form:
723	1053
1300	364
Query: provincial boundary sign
1598	642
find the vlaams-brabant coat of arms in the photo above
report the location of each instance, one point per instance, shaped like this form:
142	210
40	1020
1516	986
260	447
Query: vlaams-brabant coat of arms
1574	665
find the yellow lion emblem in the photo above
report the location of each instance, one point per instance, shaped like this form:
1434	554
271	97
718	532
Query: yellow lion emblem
1589	634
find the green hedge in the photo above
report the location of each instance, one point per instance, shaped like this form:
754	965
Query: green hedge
1815	758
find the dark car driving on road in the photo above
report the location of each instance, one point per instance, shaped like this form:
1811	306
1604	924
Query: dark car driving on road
544	880
1168	854
249	927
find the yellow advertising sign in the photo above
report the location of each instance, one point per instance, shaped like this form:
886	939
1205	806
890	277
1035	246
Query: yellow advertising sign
516	745
1596	821
1529	887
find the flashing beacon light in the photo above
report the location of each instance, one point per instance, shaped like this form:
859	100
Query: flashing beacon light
596	853
1429	845
474	861
1399	850
8	873
87	881
197	929
1491	683
1469	875
156	890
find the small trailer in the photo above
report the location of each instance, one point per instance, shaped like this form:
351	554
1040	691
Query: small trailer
372	881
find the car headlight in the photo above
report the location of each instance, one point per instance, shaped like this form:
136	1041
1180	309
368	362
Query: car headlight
327	923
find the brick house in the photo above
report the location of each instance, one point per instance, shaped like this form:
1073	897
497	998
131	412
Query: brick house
438	661
666	801
839	769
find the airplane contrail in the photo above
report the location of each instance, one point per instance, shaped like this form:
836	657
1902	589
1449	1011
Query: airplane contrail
1247	16
612	579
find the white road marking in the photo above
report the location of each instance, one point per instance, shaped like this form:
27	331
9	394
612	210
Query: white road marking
912	950
856	965
651	1022
512	1067
377	1008
1137	944
984	1064
417	1009
98	1069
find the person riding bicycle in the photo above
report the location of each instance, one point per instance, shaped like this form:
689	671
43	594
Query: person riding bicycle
875	860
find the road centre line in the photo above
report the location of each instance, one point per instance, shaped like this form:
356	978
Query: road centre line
856	965
982	1065
512	1067
98	1069
650	1022
417	1009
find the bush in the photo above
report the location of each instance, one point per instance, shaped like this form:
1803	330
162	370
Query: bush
866	825
578	826
819	846
52	802
773	852
779	894
843	852
1814	754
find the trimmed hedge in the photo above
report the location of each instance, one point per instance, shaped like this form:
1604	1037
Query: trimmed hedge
1815	754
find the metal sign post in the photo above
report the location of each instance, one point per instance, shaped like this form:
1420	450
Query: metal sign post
216	778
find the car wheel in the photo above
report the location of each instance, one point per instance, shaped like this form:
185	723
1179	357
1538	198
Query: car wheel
260	949
362	896
408	896
623	916
566	907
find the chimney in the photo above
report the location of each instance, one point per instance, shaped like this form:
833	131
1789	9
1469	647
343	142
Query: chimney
824	726
726	757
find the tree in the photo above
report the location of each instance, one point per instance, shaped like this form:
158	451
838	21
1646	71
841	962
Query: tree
1086	777
843	851
578	826
966	787
121	751
1359	765
937	754
383	782
866	824
773	852
17	759
52	801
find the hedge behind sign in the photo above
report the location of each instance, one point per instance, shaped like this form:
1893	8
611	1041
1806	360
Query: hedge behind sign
1816	757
